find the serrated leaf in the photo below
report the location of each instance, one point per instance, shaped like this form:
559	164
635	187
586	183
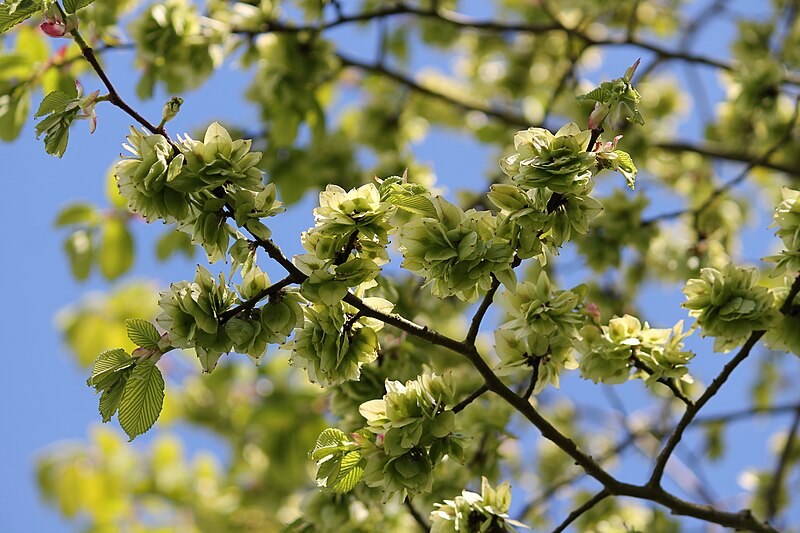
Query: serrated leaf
71	6
12	13
142	399
598	94
351	469
106	365
116	249
329	441
112	396
142	333
416	204
55	101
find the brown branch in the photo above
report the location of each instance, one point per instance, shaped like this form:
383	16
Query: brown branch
537	361
713	388
475	325
418	518
474	395
746	413
667	382
113	96
691	411
733	182
267	292
505	116
574	515
771	496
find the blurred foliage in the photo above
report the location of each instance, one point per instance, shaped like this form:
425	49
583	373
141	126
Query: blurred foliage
324	118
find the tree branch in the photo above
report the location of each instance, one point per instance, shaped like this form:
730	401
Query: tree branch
669	383
113	96
691	412
574	515
418	518
771	496
474	395
268	292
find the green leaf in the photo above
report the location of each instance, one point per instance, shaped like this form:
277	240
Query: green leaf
599	94
104	372
76	214
56	130
329	442
416	204
116	249
72	6
174	241
143	333
55	101
112	396
13	113
142	399
351	470
14	12
79	250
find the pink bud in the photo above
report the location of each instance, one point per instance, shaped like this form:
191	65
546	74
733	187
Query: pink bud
54	24
598	115
379	439
54	28
593	312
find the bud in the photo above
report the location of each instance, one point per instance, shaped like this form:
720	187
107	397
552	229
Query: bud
631	71
171	109
54	23
598	115
593	312
86	104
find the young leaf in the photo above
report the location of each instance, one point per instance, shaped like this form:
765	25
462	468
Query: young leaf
143	333
55	101
116	249
351	470
142	399
78	213
72	6
15	11
106	365
79	249
112	396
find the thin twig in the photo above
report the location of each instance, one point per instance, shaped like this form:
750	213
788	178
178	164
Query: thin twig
474	395
574	515
746	413
771	496
537	361
667	382
475	325
113	96
691	411
267	292
418	518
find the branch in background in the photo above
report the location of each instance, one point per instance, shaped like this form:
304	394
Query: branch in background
266	293
477	393
669	383
574	515
781	468
418	518
691	412
746	413
733	182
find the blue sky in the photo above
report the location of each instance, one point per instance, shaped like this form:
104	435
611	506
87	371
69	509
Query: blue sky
43	392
